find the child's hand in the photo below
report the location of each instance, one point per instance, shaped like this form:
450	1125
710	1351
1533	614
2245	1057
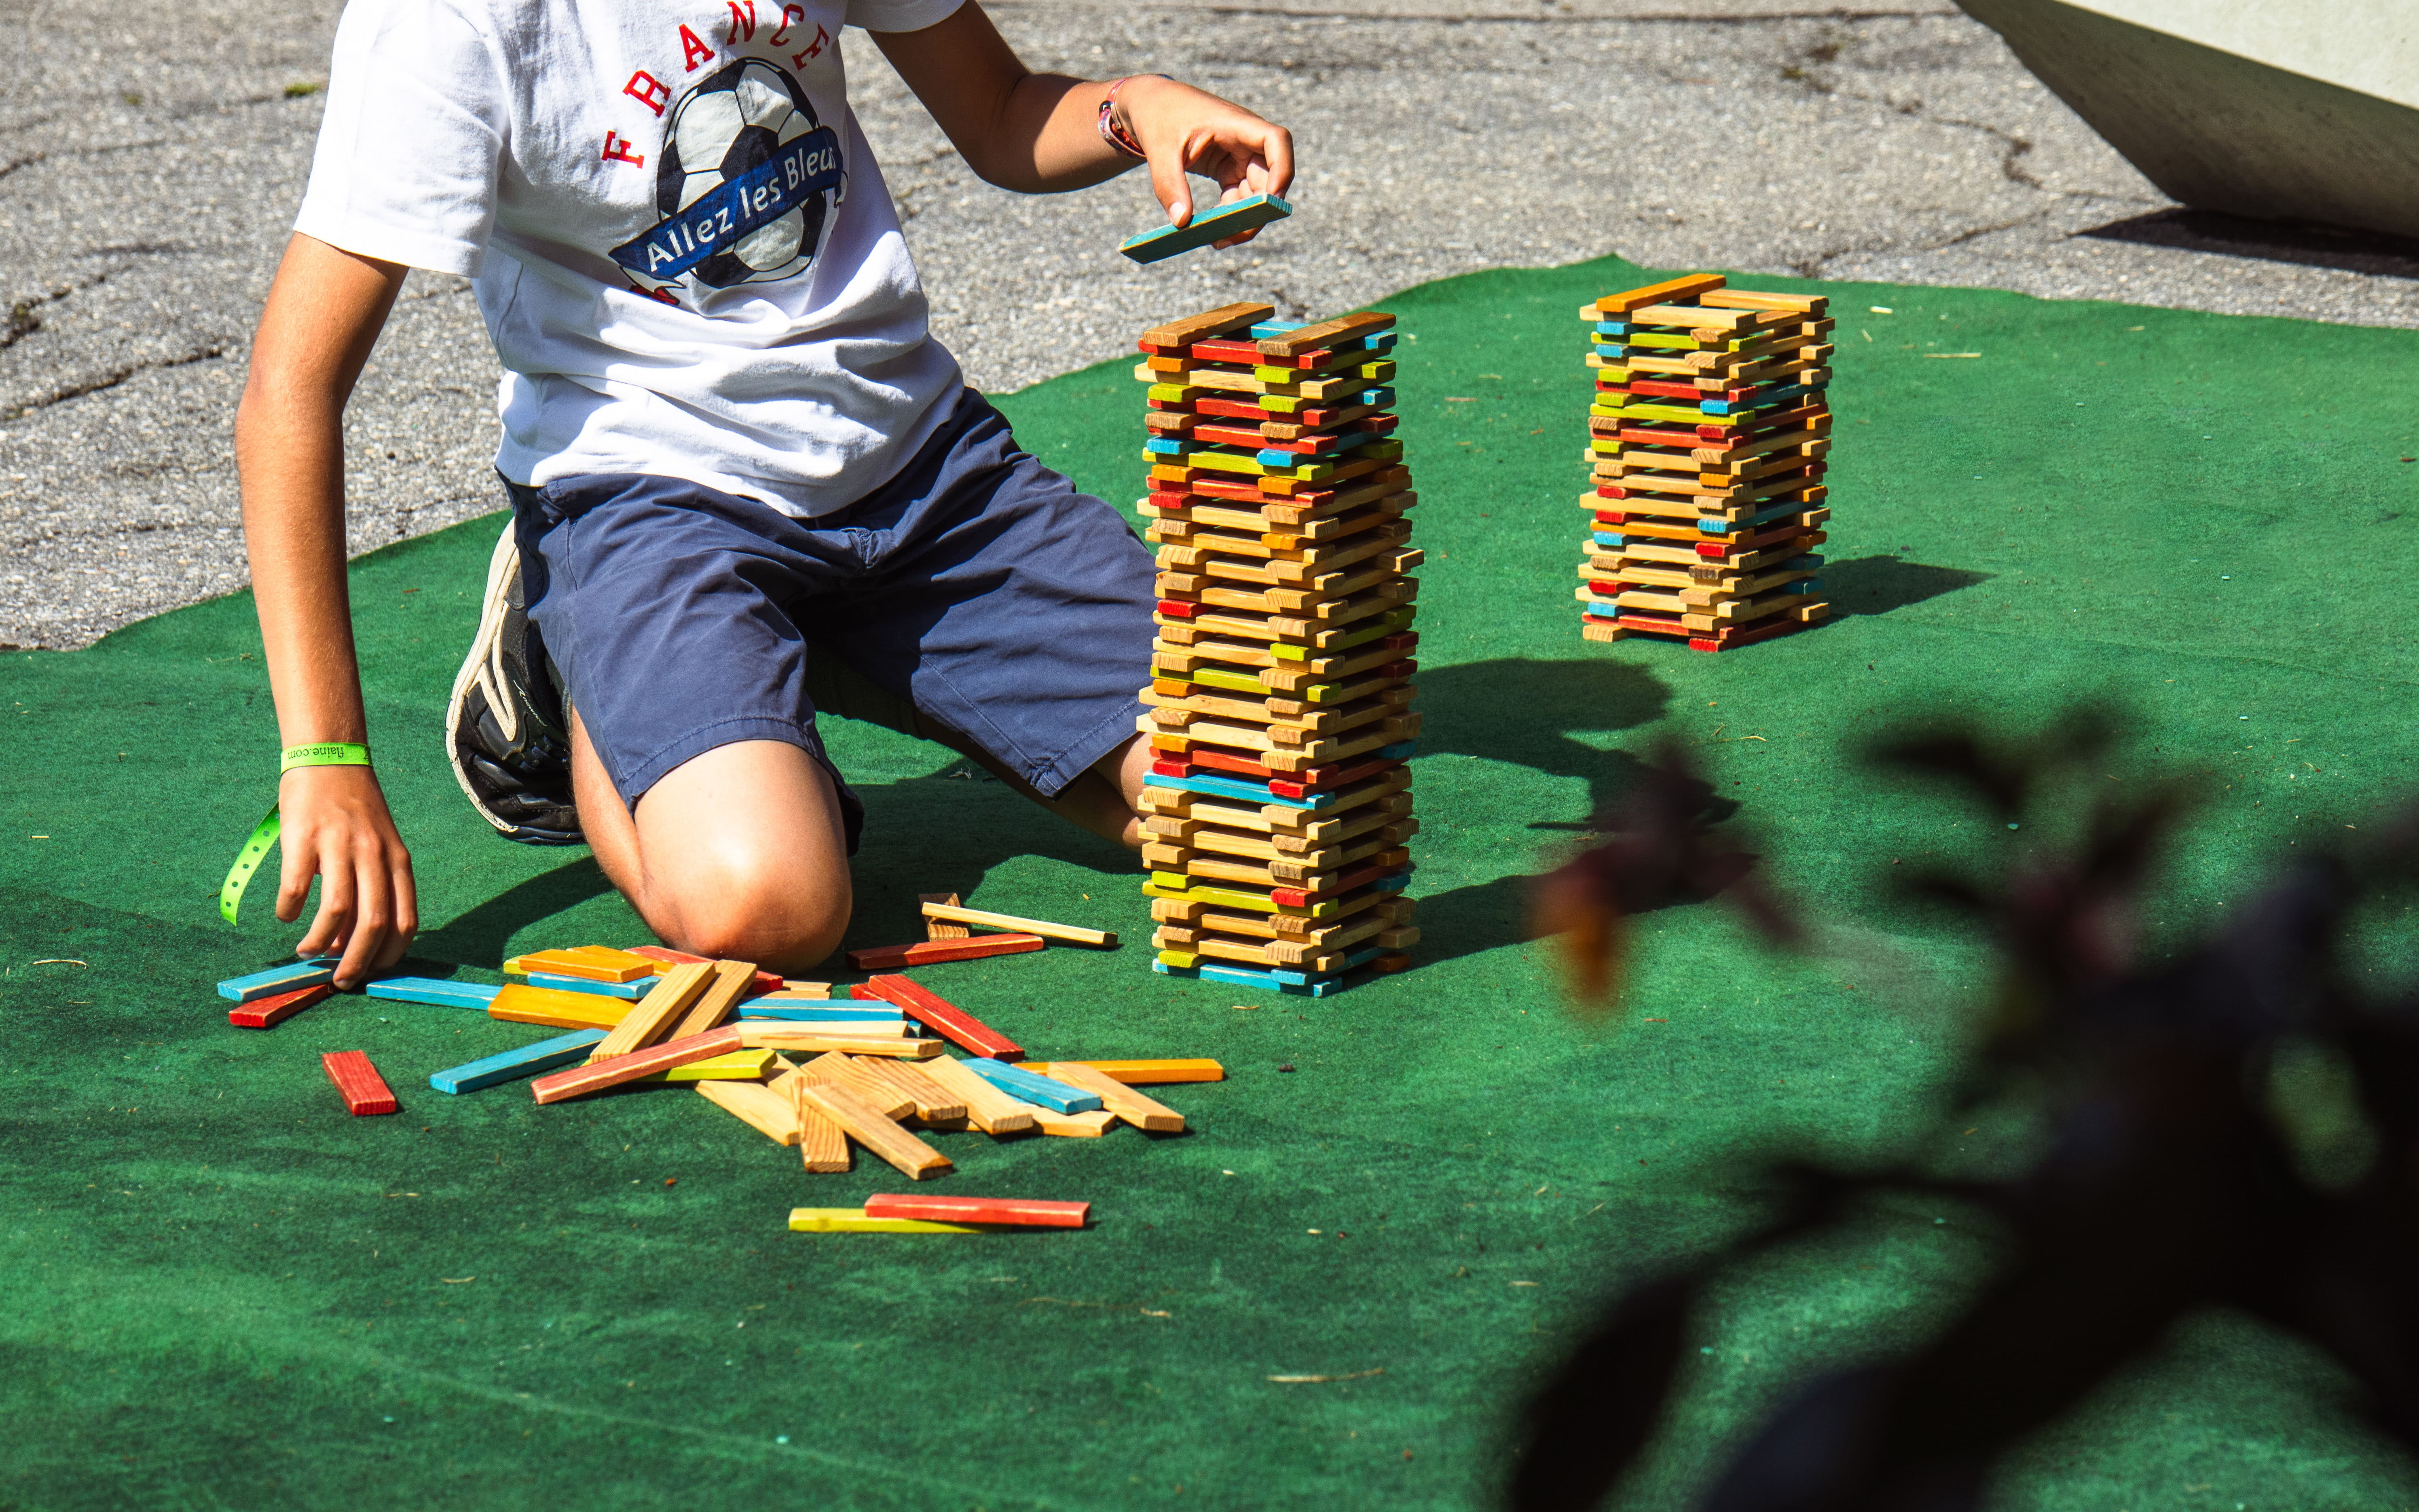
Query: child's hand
336	827
1185	130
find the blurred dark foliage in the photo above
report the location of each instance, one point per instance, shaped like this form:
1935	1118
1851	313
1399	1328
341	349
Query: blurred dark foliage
2172	1176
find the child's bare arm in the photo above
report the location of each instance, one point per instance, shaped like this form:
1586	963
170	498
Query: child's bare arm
324	312
1038	132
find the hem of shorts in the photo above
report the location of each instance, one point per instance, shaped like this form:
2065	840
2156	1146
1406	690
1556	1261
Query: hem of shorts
697	742
1079	754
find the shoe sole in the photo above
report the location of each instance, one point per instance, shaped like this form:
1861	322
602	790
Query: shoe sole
476	669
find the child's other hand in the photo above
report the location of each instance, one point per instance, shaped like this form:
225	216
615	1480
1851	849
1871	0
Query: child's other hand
1185	130
335	826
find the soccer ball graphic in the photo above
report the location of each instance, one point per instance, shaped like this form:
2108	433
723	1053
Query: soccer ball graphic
736	120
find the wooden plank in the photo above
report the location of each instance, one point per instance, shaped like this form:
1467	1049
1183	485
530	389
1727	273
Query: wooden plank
935	929
1670	291
268	1012
932	1103
931	952
1042	1092
810	1039
1739	298
864	1123
1312	337
732	980
760	1107
1120	1099
358	1083
278	981
952	1023
821	1144
1075	1125
1214	224
1072	933
988	1108
1211	323
516	1004
676	991
1140	1073
665	957
854	1221
738	1066
597	963
934	1208
511	1065
835	1069
471	995
581	1081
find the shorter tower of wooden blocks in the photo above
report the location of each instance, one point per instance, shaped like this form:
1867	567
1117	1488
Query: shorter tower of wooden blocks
1280	698
1706	445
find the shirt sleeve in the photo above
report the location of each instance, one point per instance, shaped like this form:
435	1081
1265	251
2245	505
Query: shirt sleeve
414	138
900	15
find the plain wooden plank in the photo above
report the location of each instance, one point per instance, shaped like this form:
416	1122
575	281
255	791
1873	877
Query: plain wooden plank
864	1123
579	1081
1210	323
936	929
732	980
1120	1099
810	1039
933	1102
1073	934
988	1108
1075	1125
835	1069
1326	332
654	1014
760	1107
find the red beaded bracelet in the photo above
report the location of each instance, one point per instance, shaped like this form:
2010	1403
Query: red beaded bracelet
1112	130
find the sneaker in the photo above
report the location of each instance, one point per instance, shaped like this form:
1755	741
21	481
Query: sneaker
505	729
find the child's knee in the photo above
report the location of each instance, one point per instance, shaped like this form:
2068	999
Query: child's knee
770	915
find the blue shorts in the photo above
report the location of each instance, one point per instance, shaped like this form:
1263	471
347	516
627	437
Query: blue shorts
977	594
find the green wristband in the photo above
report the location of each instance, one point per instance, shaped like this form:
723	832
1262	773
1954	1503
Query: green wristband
264	835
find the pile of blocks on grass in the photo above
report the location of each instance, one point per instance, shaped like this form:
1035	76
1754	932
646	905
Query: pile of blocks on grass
1706	446
807	1065
1278	800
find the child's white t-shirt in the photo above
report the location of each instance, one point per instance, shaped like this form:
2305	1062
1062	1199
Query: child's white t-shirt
682	247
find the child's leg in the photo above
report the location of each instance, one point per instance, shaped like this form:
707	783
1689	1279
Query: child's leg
763	878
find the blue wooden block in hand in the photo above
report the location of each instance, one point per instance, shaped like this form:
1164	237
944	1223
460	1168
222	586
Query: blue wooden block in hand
1208	226
1026	1085
471	995
547	1054
292	977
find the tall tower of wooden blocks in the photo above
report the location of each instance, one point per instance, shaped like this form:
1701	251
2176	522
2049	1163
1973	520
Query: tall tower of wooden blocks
1280	714
1706	443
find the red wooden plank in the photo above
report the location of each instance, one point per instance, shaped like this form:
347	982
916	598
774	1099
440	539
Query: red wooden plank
582	1080
358	1083
940	1209
943	1018
765	981
927	953
264	1012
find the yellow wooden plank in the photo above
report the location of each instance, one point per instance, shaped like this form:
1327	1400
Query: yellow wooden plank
854	1221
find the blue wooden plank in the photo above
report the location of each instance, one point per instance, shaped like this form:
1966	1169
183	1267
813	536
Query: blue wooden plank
291	978
471	995
1275	328
1056	1096
1209	226
627	991
1245	977
547	1054
1229	787
822	1013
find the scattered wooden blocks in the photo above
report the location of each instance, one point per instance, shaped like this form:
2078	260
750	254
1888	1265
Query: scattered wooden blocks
1042	1092
732	980
935	929
511	1065
932	1103
1138	1072
665	957
358	1083
278	981
835	1069
675	992
950	912
1118	1098
1021	1212
268	1012
473	994
931	953
864	1123
581	1081
952	1022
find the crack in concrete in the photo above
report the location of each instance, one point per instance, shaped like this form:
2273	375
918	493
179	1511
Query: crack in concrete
25	314
113	378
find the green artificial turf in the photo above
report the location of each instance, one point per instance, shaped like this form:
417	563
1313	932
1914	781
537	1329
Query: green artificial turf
220	1292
